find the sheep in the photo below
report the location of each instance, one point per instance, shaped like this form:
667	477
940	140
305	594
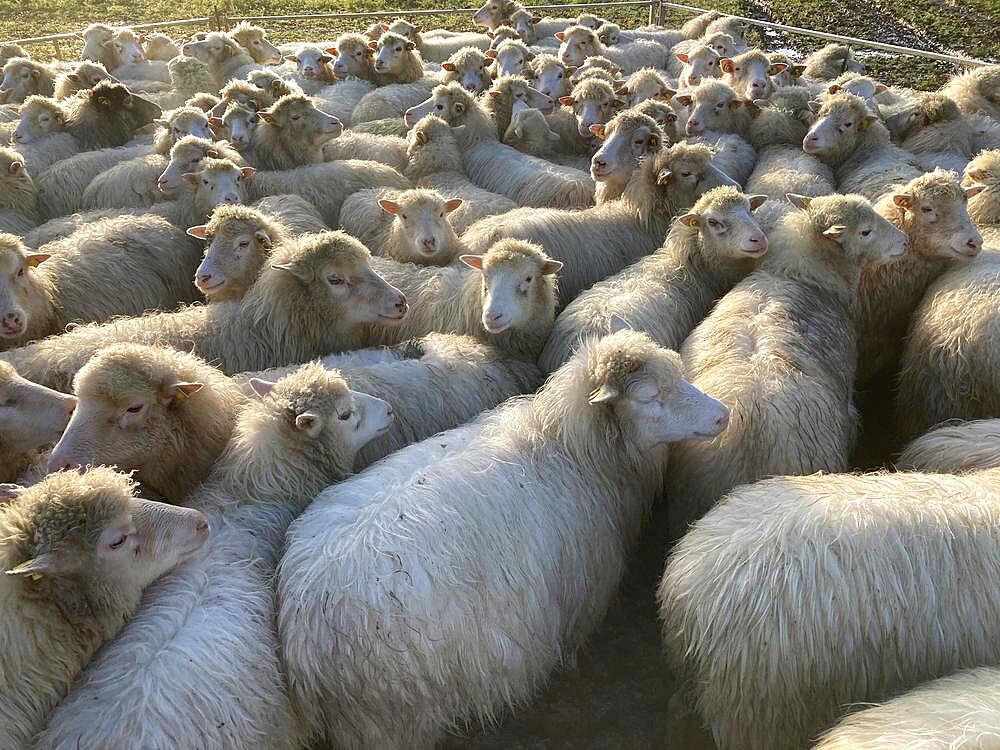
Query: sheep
663	114
291	134
272	84
612	34
550	75
391	101
698	62
773	558
537	30
616	233
803	296
529	133
954	447
578	43
415	227
161	414
695	28
723	43
448	665
934	125
512	91
526	180
95	45
189	76
647	83
750	74
81	280
23	77
301	435
387	149
300	307
396	60
313	65
244	93
7	51
593	102
18	198
859	85
596	65
435	47
848	137
434	161
236	125
342	98
977	90
512	58
831	61
254	40
84	76
160	47
728	25
627	139
668	293
34	418
714	105
224	56
468	66
931	210
791	75
78	551
354	57
502	34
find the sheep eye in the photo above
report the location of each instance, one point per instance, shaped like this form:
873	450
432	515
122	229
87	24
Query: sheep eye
134	409
204	182
399	49
20	273
713	223
866	233
926	209
8	403
559	76
336	280
118	542
848	124
245	243
403	217
527	279
686	174
344	417
439	107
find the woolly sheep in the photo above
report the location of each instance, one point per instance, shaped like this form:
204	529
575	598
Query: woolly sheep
272	84
254	40
510	92
40	137
291	134
437	47
728	25
468	66
343	97
188	76
95	38
313	64
848	137
18	197
578	43
831	61
771	559
984	206
859	85
526	180
113	267
596	64
955	447
480	664
529	133
392	100
750	74
792	73
396	60
224	56
78	550
244	93
502	34
410	226
698	62
667	293
592	102
160	47
512	58
931	211
84	76
299	308
714	105
647	83
616	233
23	77
301	435
161	414
537	30
387	149
695	27
550	75
435	162
236	126
295	212
802	295
7	51
977	90
354	57
933	124
627	139
34	419
723	43
664	115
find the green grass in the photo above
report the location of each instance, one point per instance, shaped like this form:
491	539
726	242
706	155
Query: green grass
969	27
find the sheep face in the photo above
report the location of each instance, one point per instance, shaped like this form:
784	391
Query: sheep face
518	284
512	59
700	64
522	95
20	290
501	35
641	388
186	121
21	79
185	157
577	44
983	170
840	123
391	53
723	219
39	118
551	77
596	66
218	182
311	63
711	106
627	139
353	57
420	222
853	228
442	103
661	112
254	40
524	24
934	213
91	547
493	13
648	86
590	21
529	131
404	28
721	43
685	172
609	34
161	47
127	47
750	74
237	126
594	103
88	74
468	67
215	48
301	121
237	248
33	415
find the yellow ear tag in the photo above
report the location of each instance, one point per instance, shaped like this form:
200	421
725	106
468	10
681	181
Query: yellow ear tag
36	576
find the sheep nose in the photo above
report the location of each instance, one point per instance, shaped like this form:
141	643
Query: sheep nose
201	525
973	244
430	243
494	317
70	406
401	303
204	279
758	243
231	199
12	320
62	464
721	422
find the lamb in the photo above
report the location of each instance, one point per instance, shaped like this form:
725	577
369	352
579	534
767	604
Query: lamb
23	77
909	539
386	149
628	138
160	47
550	75
932	211
35	418
750	74
538	453
81	280
977	90
578	43
224	56
526	180
502	34
848	137
831	61
468	66
435	162
300	307
668	293
84	76
715	106
18	198
78	551
301	435
236	125
512	91
291	134
189	76
127	46
647	83
698	62
804	291
512	58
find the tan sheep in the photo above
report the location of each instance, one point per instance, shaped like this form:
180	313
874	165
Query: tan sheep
468	66
667	293
223	55
313	65
695	28
254	40
789	389
791	75
78	550
954	448
396	60
320	295
627	139
977	90
509	92
831	61
95	45
85	75
160	47
291	134
23	77
728	25
18	196
272	84
7	51
354	57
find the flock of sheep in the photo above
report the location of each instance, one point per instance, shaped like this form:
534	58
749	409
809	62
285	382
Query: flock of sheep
381	336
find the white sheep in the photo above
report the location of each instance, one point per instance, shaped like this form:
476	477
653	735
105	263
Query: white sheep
23	77
313	68
697	62
550	75
435	46
77	550
85	75
434	615
225	58
831	61
189	77
579	43
18	196
627	139
667	293
750	74
512	58
790	390
954	448
160	47
647	83
387	149
39	136
95	38
976	91
753	596
470	67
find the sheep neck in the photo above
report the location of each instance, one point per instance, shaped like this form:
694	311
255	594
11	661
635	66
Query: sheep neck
20	196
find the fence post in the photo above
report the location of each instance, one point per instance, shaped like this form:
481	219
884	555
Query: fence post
660	12
652	4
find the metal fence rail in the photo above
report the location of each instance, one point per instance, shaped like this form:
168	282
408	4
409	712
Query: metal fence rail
656	14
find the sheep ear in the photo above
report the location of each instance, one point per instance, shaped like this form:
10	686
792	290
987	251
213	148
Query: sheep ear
559	35
974	190
332	51
294	270
491	53
727	65
684	100
833	88
260	387
902	200
815	107
47	564
663	177
181	391
326	58
736	104
420	137
667	93
598	130
618	323
388	206
263	238
756	201
200	231
292	58
15	166
550	267
566	101
866	122
799	201
247	171
191	177
34	259
452	204
777	68
603	395
881	88
682	57
373	46
690	220
411	45
309	422
450	67
798	70
835	232
472	261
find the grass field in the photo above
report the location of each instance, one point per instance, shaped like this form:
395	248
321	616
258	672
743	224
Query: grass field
968	27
